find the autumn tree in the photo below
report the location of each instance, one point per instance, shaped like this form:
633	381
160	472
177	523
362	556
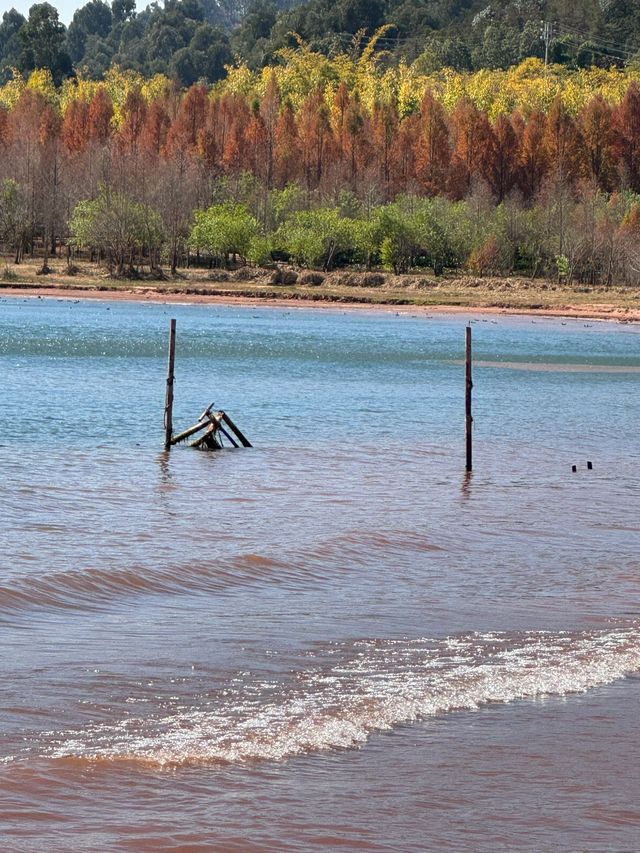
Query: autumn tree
384	130
404	155
474	148
627	137
174	195
534	161
50	180
212	136
190	120
134	114
100	117
314	132
156	129
257	156
501	170
596	125
75	126
23	152
288	154
563	143
235	148
4	127
269	112
433	146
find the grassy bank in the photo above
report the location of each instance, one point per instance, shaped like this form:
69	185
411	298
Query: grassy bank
497	294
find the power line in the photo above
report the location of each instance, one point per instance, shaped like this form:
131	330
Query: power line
549	31
596	39
598	45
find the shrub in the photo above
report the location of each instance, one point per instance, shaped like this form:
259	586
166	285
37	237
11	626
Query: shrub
284	277
313	279
486	258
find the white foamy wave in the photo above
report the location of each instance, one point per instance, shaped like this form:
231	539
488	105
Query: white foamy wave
370	686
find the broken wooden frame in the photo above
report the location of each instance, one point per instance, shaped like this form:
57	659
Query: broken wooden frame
213	426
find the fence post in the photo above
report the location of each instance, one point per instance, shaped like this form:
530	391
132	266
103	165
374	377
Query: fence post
469	386
168	406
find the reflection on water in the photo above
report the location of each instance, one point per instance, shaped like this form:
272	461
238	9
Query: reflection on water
467	481
224	651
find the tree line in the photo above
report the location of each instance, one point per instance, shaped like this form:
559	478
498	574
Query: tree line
196	40
326	178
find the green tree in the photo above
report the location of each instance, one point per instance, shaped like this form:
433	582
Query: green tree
251	39
43	43
10	42
366	237
93	19
205	57
121	229
224	230
123	10
14	218
97	57
400	241
315	237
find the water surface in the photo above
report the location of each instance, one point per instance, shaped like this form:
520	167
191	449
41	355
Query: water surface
335	638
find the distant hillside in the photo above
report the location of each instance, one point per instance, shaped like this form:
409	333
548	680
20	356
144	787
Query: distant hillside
192	40
473	34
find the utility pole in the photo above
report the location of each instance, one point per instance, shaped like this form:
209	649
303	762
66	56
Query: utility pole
546	34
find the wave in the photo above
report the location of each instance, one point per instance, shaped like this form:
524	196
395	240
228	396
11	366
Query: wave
369	686
94	588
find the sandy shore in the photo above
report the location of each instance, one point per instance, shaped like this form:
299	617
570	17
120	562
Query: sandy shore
602	311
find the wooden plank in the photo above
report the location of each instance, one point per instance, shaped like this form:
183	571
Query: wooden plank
228	435
243	440
205	438
217	420
189	432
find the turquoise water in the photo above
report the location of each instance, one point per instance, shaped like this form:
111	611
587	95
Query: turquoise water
335	638
94	372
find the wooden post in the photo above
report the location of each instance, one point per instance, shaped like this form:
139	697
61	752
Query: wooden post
168	406
469	418
243	440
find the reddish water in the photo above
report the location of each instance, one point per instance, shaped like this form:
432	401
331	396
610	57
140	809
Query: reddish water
336	639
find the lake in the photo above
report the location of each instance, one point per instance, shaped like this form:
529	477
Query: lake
336	638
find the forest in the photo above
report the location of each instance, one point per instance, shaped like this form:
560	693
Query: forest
194	41
328	162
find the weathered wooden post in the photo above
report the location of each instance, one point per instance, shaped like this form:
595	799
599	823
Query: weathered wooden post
168	406
469	417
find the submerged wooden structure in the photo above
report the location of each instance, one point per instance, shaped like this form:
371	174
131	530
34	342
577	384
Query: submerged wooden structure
213	426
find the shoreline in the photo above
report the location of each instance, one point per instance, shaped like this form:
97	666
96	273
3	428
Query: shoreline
217	296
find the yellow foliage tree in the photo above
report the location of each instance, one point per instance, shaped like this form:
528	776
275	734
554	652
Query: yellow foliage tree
41	80
11	91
